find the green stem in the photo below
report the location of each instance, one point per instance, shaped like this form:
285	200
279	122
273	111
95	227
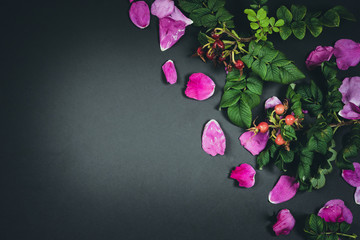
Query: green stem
354	236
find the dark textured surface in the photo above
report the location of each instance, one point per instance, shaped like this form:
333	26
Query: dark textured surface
95	145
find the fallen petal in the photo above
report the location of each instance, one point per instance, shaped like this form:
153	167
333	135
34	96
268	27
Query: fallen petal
272	102
170	31
140	14
213	138
170	72
352	177
284	190
285	223
350	111
177	15
357	196
254	143
335	211
199	87
244	174
162	8
347	53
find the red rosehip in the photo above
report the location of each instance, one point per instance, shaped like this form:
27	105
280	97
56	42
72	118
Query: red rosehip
222	58
215	36
263	127
289	120
210	55
218	44
279	140
239	64
279	109
200	51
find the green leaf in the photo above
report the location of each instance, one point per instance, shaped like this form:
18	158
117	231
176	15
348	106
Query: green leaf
254	25
223	15
295	100
330	19
250	12
264	23
344	13
344	227
234	75
319	181
263	159
240	114
267	54
197	14
279	23
351	145
332	226
298	12
188	6
317	224
285	31
314	26
229	98
214	5
304	170
254	84
290	73
251	98
248	60
261	14
209	21
299	29
288	132
259	67
284	13
202	38
237	85
286	156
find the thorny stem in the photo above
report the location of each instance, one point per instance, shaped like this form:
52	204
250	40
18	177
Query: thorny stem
342	123
339	234
248	39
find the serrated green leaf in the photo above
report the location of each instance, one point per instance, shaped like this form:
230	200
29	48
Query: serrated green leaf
197	14
202	38
314	26
188	6
332	226
230	98
306	159
288	132
284	13
299	29
317	224
248	60
214	5
261	14
344	13
237	85
286	156
263	159
251	98
290	73
223	15
330	18
259	67
267	54
344	227
285	31
298	12
240	114
255	85
209	21
319	181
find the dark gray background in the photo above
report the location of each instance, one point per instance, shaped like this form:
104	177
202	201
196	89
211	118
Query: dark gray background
95	144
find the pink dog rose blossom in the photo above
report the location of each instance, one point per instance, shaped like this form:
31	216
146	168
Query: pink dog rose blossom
162	8
272	102
352	177
170	72
244	174
351	98
347	53
140	14
284	190
254	142
199	87
213	138
318	56
285	223
336	211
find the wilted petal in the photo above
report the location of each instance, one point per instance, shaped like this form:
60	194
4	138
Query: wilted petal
336	211
352	177
199	87
170	31
350	90
244	174
170	72
285	223
357	195
254	143
140	14
272	102
284	190
319	55
162	8
350	111
347	53
213	138
177	15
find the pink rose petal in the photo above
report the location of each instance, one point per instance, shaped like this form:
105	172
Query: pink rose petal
170	72
284	190
357	196
347	53
177	15
140	14
335	211
244	174
131	1
319	55
352	177
254	143
162	8
272	102
285	223
199	87
170	31
213	138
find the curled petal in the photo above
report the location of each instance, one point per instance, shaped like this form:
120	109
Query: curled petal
170	72
352	177
284	190
350	111
170	31
177	15
357	196
162	8
319	55
244	174
285	223
140	14
335	211
199	87
272	102
254	142
213	138
350	90
347	53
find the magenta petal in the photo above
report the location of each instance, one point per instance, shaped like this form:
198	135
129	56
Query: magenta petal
350	111
350	90
162	8
272	102
170	72
357	196
140	14
335	211
177	15
131	1
319	55
285	223
347	53
254	143
199	87
352	177
170	31
284	190
244	174
213	138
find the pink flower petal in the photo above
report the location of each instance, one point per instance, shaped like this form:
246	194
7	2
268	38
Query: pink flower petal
244	174
284	190
177	15
140	14
213	138
350	111
352	177
357	196
335	211
170	72
254	143
319	55
131	1
199	87
170	31
347	53
162	8
285	223
272	102
350	90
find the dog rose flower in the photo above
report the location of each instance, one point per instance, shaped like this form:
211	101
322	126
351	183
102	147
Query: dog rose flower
351	98
254	142
347	53
199	87
213	138
285	222
336	211
352	177
244	174
272	102
318	56
284	190
140	14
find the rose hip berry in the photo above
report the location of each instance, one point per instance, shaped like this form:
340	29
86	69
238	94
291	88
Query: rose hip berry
215	36
210	55
279	109
289	120
222	58
263	127
200	51
279	140
239	64
218	44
